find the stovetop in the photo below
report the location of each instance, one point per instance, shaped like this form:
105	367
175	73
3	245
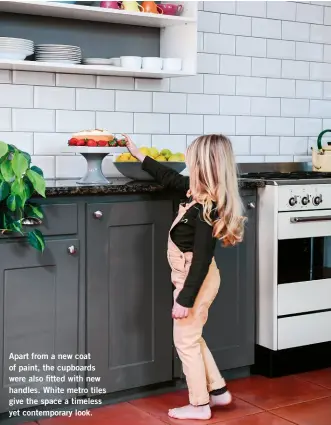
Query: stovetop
287	173
295	175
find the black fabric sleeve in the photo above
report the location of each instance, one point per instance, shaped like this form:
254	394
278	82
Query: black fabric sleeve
203	252
164	175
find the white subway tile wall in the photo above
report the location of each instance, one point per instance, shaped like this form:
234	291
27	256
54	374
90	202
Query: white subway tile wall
264	79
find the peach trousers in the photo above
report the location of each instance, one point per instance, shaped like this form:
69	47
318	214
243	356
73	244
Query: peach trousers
201	372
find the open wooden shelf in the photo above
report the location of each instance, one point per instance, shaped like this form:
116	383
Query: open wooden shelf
85	69
90	13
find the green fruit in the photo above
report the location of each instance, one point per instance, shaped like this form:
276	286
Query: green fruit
166	153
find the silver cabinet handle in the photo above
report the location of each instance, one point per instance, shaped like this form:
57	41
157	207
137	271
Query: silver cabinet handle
31	221
72	250
251	205
97	214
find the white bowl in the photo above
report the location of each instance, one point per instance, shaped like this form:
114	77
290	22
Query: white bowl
154	64
131	62
172	64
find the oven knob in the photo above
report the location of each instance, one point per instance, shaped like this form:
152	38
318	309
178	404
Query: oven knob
317	200
292	201
305	200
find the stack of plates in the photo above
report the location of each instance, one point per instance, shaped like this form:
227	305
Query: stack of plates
15	48
58	53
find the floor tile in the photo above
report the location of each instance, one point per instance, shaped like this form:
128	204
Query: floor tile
264	418
158	406
319	377
315	412
119	414
277	392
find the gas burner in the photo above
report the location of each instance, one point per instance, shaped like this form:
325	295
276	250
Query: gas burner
296	175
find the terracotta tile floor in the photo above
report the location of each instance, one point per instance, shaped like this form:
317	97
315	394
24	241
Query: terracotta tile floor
303	399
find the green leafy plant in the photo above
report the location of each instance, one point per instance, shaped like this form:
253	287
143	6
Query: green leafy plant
18	182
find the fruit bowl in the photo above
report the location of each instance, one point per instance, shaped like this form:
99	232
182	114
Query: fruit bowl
134	171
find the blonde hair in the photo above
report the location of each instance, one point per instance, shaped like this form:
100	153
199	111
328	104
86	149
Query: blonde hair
214	184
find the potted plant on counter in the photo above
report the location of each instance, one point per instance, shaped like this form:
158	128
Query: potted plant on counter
18	182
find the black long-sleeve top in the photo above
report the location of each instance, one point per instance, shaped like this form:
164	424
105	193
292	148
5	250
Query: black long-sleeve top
191	234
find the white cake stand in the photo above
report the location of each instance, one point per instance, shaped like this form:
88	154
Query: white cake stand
94	158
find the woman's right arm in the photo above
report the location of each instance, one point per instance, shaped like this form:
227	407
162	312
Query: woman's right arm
162	174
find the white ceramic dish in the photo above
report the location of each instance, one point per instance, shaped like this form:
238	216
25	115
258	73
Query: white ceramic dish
14	54
154	64
172	64
5	44
66	61
131	62
67	46
97	61
86	149
15	40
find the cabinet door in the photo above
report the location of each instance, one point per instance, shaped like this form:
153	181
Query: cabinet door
230	330
129	296
39	307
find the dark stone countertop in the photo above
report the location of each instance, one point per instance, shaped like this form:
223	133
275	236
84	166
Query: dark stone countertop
117	186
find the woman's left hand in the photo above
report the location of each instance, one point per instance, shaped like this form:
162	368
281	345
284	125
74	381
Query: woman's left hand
179	312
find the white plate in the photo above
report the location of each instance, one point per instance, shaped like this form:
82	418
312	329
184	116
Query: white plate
15	40
57	50
20	49
15	55
59	57
97	61
67	46
86	149
4	43
58	61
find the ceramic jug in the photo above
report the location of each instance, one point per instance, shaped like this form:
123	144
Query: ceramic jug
132	6
321	157
151	7
109	4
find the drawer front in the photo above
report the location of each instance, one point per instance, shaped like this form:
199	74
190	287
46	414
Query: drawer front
304	296
303	330
59	219
318	223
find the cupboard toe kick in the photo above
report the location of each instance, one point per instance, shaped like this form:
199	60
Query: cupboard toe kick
103	286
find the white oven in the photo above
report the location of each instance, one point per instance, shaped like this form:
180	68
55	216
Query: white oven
294	288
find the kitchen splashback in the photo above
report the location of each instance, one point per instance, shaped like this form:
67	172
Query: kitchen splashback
264	79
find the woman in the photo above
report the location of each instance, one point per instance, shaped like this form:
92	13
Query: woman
213	211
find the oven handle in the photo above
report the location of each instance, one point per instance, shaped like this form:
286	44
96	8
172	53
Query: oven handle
307	219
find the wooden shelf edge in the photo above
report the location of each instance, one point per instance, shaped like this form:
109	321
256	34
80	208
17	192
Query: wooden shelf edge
91	13
86	69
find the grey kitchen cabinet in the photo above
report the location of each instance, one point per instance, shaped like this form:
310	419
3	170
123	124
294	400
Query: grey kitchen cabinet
38	305
129	293
230	330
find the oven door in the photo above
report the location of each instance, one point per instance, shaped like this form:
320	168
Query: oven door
304	278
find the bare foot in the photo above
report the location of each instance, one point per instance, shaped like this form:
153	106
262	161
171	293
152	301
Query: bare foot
191	412
221	400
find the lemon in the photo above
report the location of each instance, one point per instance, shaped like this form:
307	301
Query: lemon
181	156
144	151
174	158
166	153
153	152
161	158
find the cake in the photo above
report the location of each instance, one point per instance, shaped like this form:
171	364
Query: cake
95	138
